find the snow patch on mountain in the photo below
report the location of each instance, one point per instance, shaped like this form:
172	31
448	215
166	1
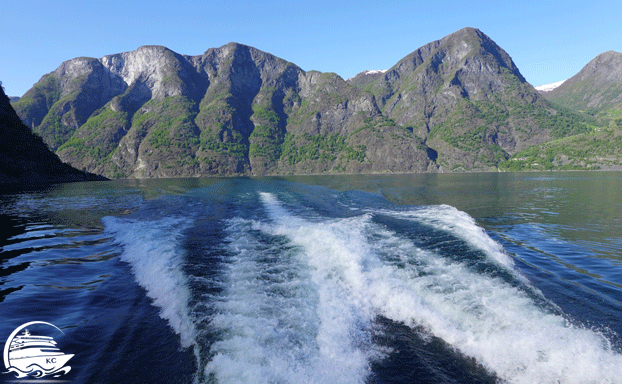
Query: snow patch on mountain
374	71
549	87
368	72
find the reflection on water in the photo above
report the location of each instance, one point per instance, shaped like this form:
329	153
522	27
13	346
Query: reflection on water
577	206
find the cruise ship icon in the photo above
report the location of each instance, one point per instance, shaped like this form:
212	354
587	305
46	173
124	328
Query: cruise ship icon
37	356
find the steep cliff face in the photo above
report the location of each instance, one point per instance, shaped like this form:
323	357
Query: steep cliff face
596	89
234	110
459	103
24	157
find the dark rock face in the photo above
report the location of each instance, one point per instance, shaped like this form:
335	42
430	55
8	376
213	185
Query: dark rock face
24	157
596	89
458	103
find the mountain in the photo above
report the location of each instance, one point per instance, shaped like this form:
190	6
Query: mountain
596	89
465	97
233	110
548	87
25	158
456	104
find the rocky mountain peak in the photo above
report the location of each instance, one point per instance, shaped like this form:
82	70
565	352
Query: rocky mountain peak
475	47
435	78
157	68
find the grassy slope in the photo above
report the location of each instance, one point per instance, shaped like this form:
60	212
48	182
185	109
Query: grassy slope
598	149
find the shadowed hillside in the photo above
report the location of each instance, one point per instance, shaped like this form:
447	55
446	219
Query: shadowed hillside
25	158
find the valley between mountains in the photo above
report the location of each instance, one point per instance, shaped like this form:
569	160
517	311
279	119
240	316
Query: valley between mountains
458	104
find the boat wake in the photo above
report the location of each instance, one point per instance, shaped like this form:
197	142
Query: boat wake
300	297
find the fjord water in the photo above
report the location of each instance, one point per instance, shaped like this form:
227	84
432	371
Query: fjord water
469	278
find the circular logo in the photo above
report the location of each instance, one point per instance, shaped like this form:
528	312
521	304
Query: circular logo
34	355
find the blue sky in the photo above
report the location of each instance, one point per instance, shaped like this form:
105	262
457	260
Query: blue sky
548	40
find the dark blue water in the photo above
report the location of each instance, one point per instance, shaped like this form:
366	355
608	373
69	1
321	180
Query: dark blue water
348	279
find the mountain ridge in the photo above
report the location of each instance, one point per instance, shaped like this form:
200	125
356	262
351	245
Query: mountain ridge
236	110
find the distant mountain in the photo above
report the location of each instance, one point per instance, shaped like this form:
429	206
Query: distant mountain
24	157
456	104
548	87
596	89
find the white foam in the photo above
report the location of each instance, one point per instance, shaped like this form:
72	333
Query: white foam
276	323
153	251
450	219
481	316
